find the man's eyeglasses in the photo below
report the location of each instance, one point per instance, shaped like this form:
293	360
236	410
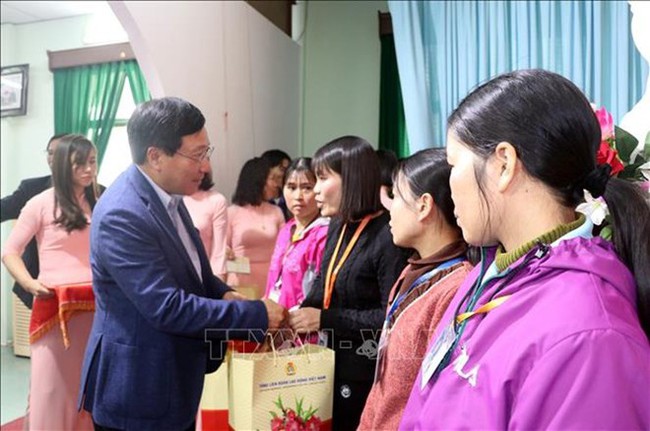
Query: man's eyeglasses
199	157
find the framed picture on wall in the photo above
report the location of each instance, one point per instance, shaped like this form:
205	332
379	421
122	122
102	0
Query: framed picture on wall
13	90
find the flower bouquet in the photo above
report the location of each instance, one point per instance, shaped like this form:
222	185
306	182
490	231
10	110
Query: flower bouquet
618	148
294	420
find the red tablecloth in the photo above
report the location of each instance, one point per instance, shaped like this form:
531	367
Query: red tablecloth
59	308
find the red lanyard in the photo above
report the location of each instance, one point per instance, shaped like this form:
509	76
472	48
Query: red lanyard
333	272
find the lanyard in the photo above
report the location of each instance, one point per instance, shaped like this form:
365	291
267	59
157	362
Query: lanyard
460	319
332	272
421	279
483	309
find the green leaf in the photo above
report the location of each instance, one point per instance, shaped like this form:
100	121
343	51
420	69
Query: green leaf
606	233
646	147
625	144
310	413
629	172
278	403
274	415
299	411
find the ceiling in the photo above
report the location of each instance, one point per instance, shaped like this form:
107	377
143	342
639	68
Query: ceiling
23	12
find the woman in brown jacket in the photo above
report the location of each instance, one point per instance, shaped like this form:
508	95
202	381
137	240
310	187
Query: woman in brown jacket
422	218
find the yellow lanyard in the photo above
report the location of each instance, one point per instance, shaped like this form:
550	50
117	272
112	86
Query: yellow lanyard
332	272
485	308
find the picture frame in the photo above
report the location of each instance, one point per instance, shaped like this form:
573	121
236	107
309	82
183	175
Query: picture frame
13	90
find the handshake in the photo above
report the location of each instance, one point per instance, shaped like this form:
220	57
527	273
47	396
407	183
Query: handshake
300	320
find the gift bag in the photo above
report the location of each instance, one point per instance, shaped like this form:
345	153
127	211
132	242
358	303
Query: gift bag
277	390
213	410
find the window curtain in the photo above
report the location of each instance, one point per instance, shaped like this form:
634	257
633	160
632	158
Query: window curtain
137	82
392	124
445	49
86	99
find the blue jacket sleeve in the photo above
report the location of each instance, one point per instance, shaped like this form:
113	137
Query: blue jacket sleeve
132	253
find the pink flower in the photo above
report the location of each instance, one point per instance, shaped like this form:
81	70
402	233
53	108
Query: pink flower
313	424
645	185
290	414
277	424
294	425
606	124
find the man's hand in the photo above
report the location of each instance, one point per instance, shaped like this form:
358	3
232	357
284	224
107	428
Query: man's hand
234	296
278	315
305	320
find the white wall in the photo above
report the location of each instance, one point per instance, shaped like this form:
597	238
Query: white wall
228	60
342	69
23	139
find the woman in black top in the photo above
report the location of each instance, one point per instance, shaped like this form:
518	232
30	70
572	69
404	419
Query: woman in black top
348	300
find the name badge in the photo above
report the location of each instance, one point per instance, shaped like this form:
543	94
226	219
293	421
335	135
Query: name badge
239	265
274	294
323	338
436	354
381	352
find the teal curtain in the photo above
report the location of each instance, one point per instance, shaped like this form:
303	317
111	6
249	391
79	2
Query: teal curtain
392	124
137	82
86	99
445	49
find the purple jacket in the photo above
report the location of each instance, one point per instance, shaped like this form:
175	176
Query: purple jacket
565	351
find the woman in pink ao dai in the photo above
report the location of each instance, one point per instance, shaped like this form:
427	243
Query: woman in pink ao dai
59	218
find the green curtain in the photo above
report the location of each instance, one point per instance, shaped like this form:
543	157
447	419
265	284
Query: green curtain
86	99
137	82
392	124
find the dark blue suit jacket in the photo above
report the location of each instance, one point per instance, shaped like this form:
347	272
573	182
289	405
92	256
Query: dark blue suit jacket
147	352
10	210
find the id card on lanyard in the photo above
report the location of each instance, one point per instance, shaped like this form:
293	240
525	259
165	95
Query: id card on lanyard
442	347
383	339
276	290
448	338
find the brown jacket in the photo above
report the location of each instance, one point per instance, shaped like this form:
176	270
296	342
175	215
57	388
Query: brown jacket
409	331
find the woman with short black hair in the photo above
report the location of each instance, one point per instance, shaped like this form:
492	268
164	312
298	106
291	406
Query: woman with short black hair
360	264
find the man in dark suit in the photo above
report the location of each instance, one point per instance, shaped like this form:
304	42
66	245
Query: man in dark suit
10	210
160	312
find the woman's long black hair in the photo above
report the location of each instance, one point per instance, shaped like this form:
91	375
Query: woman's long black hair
72	151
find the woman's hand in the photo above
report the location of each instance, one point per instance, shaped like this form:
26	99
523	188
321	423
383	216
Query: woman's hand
305	320
38	290
16	267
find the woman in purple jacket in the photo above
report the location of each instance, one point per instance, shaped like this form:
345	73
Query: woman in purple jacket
551	329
